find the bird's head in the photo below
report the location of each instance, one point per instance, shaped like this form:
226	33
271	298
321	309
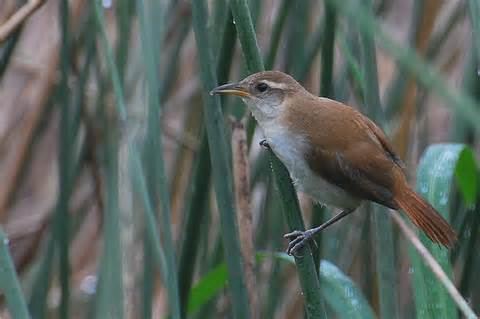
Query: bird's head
266	93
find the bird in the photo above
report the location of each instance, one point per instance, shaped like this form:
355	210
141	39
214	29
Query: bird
334	154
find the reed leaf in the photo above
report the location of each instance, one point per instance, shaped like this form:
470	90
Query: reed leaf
110	283
195	212
219	155
65	159
154	163
278	26
474	12
9	283
435	179
246	35
326	81
383	239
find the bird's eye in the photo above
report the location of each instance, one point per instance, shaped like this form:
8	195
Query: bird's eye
261	87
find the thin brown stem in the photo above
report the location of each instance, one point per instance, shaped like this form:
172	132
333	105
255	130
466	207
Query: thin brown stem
241	173
18	18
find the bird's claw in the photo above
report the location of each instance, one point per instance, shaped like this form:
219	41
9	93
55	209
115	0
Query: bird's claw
264	144
298	239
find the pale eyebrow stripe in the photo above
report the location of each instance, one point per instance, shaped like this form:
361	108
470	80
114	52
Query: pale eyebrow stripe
274	85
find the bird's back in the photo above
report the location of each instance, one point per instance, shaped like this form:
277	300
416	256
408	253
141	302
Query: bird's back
348	150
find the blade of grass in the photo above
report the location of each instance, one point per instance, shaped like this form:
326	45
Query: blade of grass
474	13
155	247
62	220
255	7
112	66
125	10
156	179
9	283
219	154
149	156
355	78
311	51
435	177
38	298
439	38
383	238
110	296
278	26
395	93
195	211
170	75
139	181
109	303
122	221
461	131
246	35
297	32
221	15
471	82
328	49
7	49
227	49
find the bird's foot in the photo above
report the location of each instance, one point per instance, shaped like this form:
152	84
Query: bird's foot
264	144
298	239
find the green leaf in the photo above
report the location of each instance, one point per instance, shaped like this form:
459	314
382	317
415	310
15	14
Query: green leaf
207	288
110	293
9	284
466	176
435	180
151	18
219	157
341	293
383	242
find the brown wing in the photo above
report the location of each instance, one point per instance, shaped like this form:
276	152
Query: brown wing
362	170
359	159
346	148
383	140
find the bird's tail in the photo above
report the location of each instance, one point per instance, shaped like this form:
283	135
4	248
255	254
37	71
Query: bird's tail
425	217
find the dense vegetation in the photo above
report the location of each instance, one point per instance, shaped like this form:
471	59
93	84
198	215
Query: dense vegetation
129	192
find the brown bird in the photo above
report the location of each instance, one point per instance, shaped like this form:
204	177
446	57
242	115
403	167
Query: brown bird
334	153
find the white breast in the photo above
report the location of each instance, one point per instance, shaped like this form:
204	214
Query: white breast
290	150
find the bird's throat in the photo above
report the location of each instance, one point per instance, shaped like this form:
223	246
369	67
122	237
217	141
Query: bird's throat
291	148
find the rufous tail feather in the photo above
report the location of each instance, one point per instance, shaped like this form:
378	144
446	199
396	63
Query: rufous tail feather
425	217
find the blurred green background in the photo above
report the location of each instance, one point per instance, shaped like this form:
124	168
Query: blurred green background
128	192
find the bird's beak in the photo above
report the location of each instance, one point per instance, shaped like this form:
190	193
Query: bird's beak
231	88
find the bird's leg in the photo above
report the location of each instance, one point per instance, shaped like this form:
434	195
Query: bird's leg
264	144
298	238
